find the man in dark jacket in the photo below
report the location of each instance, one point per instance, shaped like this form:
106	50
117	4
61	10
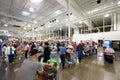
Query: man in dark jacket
47	52
80	52
58	46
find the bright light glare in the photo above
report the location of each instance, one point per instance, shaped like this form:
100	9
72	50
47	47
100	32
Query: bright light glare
72	15
36	1
41	28
80	22
58	12
5	31
106	15
25	13
35	21
57	21
5	25
118	3
49	26
36	30
24	28
29	25
89	12
31	9
60	29
93	11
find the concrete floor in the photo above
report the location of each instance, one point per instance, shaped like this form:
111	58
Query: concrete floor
91	68
94	68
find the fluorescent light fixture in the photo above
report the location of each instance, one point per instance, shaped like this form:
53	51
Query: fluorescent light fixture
80	22
25	13
5	31
60	29
24	28
36	30
35	21
41	28
118	3
31	9
72	15
49	26
89	12
106	15
58	12
29	25
94	10
5	25
57	21
36	1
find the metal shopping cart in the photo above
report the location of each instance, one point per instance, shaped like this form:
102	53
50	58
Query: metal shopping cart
109	55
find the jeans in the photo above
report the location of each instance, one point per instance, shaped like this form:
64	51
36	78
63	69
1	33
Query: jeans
62	57
11	58
26	51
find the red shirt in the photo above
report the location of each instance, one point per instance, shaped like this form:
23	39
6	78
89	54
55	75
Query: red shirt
74	44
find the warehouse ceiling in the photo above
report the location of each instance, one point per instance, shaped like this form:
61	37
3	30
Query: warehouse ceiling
18	12
22	15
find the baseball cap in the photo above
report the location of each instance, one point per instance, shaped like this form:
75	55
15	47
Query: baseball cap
33	52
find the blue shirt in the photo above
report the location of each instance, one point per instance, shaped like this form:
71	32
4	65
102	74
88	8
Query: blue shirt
0	48
10	51
62	50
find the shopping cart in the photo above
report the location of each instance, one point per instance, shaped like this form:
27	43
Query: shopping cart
48	74
109	55
20	53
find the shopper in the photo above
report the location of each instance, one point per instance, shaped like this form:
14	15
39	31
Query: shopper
96	46
82	43
41	51
0	49
74	44
80	52
15	52
47	52
93	47
58	46
62	55
26	49
30	68
10	52
3	51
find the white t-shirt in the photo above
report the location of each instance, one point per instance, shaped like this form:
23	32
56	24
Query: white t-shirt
7	51
41	49
26	47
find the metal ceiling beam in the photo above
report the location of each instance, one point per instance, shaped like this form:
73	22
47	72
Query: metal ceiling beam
76	10
11	4
11	16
